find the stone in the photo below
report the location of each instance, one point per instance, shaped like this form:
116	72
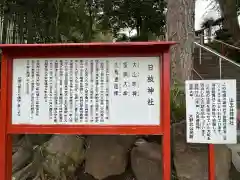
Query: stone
107	155
234	174
191	160
63	154
85	176
146	161
223	160
127	175
238	119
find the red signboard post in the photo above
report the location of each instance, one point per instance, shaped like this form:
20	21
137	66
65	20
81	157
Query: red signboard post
35	100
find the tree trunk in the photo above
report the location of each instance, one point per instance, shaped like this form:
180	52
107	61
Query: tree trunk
30	33
57	6
5	24
90	30
180	28
21	23
229	13
14	28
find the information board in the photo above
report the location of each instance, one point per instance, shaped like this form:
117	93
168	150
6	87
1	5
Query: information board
211	111
99	91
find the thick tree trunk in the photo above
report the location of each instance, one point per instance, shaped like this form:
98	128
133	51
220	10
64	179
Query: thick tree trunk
180	28
229	13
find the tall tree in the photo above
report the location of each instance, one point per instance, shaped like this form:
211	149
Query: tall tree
145	16
40	21
229	11
6	14
180	28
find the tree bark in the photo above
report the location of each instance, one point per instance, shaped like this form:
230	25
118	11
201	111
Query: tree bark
180	28
229	13
57	6
5	23
90	30
30	32
21	23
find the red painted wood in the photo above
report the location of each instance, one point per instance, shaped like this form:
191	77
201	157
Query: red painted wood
83	50
211	162
84	129
87	49
9	90
93	44
80	50
8	157
166	146
3	114
8	121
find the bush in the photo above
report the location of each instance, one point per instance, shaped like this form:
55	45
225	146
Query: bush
178	103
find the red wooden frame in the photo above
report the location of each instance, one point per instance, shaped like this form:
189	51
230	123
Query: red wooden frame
211	162
11	51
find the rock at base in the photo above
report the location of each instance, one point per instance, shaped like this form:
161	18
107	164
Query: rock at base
107	155
64	153
146	161
191	160
223	161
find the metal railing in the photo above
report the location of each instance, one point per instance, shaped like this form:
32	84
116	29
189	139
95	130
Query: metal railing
202	38
226	44
221	57
235	148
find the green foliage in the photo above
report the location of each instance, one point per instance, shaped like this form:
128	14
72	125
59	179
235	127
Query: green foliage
178	103
145	16
223	34
207	23
46	21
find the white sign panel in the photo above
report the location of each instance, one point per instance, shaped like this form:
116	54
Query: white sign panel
99	91
211	111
